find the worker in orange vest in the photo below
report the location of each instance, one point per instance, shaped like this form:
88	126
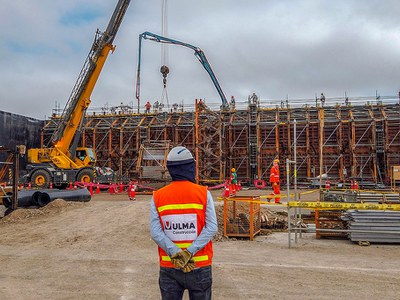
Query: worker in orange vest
274	180
183	223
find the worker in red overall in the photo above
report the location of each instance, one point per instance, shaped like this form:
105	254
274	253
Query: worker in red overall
132	191
274	180
148	107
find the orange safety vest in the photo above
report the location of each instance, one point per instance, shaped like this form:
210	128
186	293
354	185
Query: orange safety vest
181	206
274	175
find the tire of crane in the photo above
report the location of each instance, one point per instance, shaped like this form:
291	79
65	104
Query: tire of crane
41	178
86	176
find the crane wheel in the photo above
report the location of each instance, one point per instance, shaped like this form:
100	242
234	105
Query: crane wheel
85	176
41	179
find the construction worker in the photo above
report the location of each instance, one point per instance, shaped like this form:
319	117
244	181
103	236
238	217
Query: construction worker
233	102
183	222
274	180
148	107
233	180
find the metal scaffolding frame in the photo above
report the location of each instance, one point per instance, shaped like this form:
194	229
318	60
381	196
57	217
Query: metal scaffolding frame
346	142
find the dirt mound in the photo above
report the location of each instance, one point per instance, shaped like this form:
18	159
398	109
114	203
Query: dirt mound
59	205
21	214
55	206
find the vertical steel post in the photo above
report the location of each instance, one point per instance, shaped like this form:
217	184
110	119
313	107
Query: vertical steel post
14	202
289	227
288	196
296	198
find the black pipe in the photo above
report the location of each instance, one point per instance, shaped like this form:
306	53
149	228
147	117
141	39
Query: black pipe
43	197
24	199
81	195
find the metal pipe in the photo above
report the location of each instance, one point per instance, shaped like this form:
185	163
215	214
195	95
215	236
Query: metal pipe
351	231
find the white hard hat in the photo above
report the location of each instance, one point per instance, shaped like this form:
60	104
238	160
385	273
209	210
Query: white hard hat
178	156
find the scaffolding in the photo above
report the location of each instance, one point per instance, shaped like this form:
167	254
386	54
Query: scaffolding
345	142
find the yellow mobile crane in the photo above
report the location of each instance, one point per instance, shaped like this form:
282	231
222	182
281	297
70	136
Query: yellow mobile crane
64	162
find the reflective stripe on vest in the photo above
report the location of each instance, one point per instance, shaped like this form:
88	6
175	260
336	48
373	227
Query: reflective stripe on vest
195	258
180	206
183	245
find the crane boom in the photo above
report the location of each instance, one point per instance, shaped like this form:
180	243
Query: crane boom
79	100
198	53
63	162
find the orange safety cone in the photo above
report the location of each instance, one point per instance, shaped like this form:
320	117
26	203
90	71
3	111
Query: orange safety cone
91	189
327	184
29	185
226	191
51	185
70	186
111	189
97	188
356	185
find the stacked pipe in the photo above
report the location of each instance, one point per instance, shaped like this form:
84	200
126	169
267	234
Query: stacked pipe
373	226
360	196
43	197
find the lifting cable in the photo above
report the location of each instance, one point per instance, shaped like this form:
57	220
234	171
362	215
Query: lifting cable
164	53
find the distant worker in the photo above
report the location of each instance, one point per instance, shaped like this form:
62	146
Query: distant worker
148	107
322	99
183	222
233	180
253	99
155	106
200	105
132	191
233	102
274	180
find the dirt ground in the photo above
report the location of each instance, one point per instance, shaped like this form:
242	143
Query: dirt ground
102	250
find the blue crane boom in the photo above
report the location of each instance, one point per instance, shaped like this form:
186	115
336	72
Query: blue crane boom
198	53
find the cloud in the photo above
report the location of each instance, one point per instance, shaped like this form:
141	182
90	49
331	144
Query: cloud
273	48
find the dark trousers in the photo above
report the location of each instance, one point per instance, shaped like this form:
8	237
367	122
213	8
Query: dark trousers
173	282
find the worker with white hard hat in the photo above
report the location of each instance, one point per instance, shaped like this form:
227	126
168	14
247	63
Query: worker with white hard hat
183	222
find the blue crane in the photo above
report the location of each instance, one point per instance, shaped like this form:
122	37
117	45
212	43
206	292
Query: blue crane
198	53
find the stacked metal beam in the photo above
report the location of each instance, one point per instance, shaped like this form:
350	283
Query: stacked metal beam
373	226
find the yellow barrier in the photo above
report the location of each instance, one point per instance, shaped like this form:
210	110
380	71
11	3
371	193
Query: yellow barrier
245	199
322	205
343	206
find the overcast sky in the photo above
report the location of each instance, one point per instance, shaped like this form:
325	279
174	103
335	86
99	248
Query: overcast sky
277	49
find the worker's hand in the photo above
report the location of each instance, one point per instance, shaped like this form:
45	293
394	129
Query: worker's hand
181	259
177	260
186	256
190	266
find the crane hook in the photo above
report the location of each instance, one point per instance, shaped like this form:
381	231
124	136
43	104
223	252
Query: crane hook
164	71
